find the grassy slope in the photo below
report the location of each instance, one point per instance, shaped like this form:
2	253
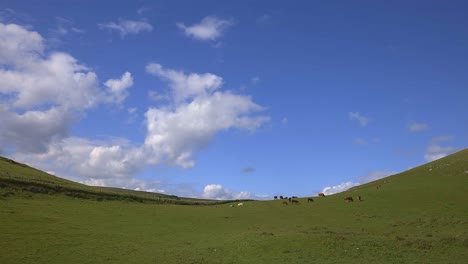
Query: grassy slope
17	176
419	216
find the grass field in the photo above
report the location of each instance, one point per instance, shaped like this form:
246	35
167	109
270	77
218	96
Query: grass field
419	216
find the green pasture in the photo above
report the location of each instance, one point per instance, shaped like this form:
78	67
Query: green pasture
419	216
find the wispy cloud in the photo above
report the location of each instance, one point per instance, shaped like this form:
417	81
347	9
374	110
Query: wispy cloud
360	141
140	11
358	117
126	27
369	177
264	20
210	28
435	150
417	127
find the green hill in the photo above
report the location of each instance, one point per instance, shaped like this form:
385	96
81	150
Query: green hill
418	216
15	176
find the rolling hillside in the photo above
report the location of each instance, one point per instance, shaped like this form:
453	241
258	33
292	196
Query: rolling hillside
418	216
15	176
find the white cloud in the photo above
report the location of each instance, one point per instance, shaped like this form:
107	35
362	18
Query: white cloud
129	184
417	127
126	27
176	133
361	119
79	157
42	95
371	176
339	188
32	131
210	28
186	86
435	151
19	45
117	88
374	175
218	192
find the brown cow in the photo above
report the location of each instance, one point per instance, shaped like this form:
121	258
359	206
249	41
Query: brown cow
378	187
295	201
310	200
349	199
321	195
285	203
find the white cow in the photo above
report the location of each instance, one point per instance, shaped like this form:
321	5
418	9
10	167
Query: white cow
240	204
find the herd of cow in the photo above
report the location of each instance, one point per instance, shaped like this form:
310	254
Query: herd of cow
293	200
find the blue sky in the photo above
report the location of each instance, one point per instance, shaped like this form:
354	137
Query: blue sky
223	100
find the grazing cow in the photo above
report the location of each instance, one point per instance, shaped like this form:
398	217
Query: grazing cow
378	187
310	200
276	197
240	204
349	199
289	199
285	203
231	205
295	201
359	198
321	195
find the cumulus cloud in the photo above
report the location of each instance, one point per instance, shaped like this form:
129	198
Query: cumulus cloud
19	45
436	150
186	86
358	117
417	127
90	159
177	132
210	28
126	27
218	192
117	88
41	93
32	131
339	188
